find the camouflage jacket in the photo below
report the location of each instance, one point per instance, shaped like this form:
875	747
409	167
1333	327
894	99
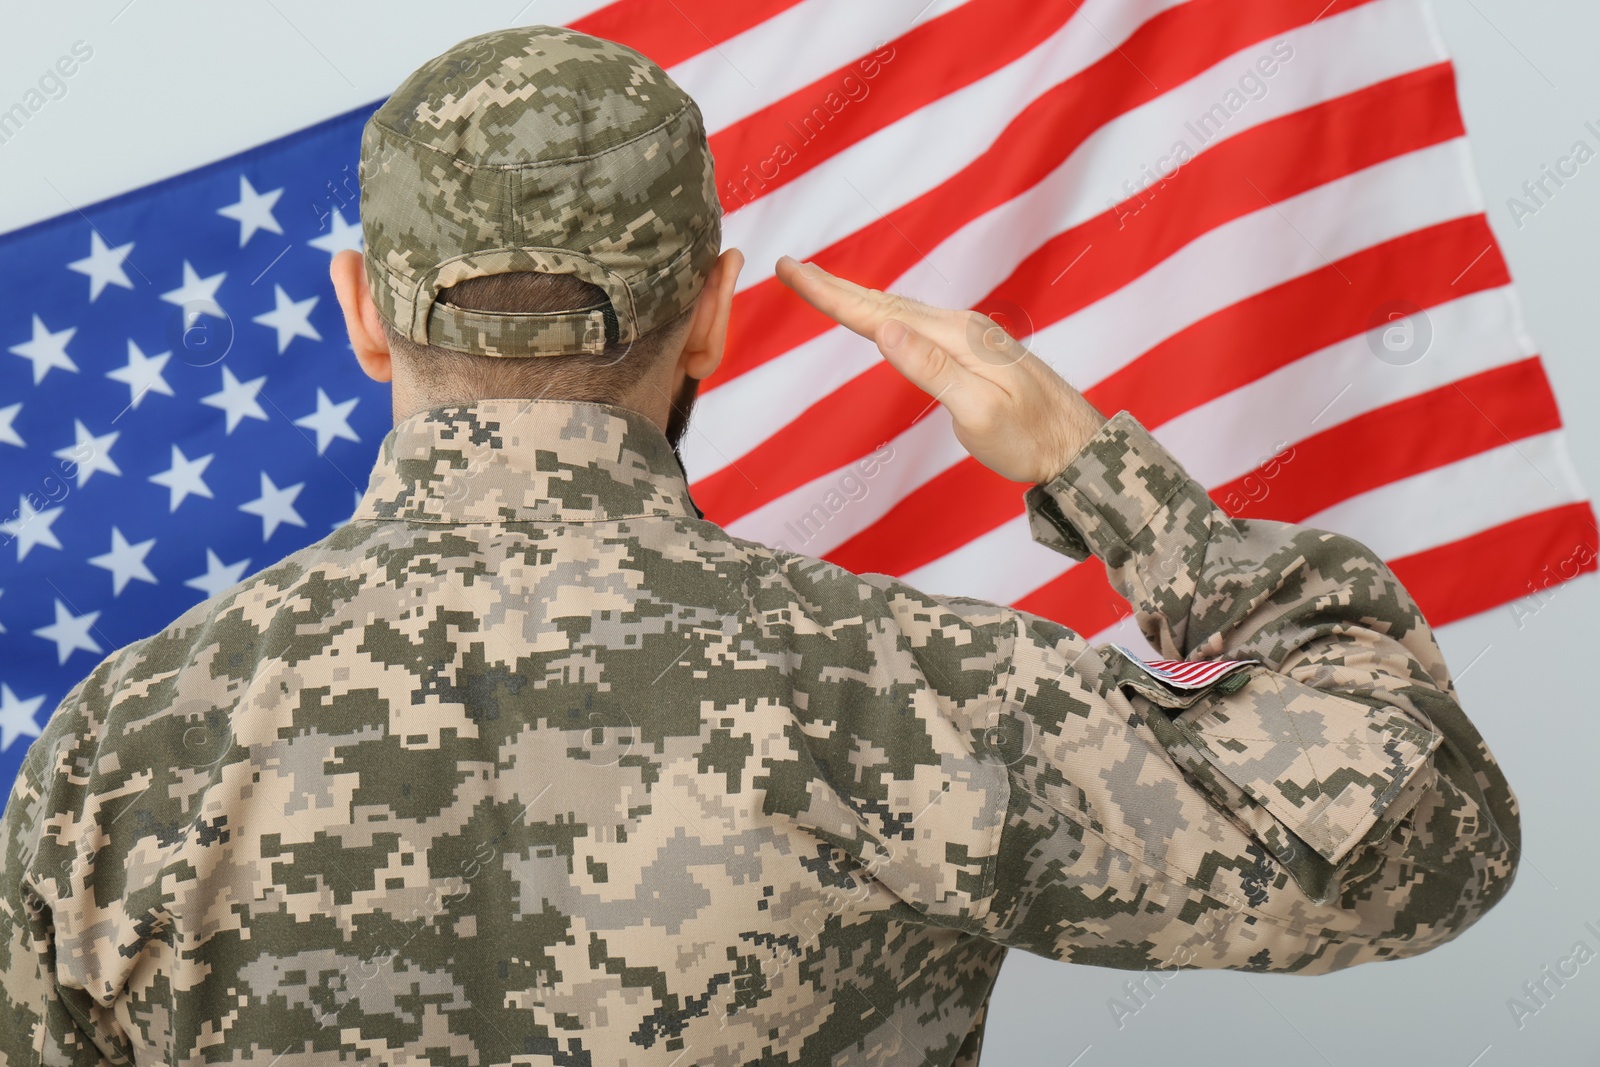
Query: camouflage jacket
530	761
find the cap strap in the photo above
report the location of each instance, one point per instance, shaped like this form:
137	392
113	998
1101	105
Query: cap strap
513	335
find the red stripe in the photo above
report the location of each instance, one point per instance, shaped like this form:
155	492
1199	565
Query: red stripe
1187	673
1523	558
771	148
923	525
824	437
1169	49
1192	674
1484	411
681	29
1200	363
1284	158
1081	598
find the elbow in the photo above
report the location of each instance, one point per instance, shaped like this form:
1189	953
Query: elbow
1444	867
1467	845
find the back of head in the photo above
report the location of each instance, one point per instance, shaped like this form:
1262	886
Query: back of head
540	215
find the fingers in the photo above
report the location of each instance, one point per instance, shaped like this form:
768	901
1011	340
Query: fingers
925	365
853	306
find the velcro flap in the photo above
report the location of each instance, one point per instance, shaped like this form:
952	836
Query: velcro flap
1326	766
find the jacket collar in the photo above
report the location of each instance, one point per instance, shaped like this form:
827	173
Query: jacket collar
500	461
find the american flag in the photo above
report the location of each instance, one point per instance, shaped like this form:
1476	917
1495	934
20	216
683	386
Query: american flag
1252	223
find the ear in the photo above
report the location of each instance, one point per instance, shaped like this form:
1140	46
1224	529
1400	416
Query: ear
708	332
361	319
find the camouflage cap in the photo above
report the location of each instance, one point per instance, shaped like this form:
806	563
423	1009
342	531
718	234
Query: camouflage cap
538	149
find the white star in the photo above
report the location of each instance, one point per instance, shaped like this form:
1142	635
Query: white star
2	625
103	265
330	420
90	453
142	374
344	235
125	561
237	398
197	295
183	477
8	415
291	318
218	577
275	506
17	717
47	350
70	632
31	527
253	211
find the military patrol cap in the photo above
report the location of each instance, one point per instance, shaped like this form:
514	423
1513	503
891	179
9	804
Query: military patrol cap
538	149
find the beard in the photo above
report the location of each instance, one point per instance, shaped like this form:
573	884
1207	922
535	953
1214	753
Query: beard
682	408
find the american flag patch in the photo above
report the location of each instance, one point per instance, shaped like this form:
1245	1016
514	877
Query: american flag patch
1186	674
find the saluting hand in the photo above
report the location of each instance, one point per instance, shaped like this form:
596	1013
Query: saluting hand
1016	415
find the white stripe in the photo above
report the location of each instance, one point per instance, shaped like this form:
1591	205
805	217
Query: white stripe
789	51
1460	499
738	416
1126	633
741	413
1003	565
558	12
1224	438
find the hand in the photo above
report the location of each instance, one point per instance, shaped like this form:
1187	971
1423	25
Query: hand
1015	414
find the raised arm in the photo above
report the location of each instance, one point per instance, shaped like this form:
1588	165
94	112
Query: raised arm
1327	805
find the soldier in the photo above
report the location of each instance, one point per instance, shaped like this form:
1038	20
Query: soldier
530	762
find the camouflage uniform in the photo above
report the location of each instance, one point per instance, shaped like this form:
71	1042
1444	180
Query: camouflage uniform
530	762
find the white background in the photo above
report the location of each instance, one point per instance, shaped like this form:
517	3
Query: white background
177	83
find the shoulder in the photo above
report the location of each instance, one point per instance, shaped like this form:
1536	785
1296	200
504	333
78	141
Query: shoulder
184	668
145	731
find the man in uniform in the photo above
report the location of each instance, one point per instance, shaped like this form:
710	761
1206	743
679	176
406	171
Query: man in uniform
531	763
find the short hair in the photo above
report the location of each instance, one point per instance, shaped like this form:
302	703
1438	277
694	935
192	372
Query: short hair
607	376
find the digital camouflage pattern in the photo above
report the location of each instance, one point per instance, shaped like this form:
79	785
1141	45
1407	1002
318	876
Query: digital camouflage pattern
531	763
538	149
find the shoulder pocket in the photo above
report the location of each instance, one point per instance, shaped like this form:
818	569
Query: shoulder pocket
1302	768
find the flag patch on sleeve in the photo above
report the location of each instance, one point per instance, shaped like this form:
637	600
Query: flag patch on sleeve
1187	674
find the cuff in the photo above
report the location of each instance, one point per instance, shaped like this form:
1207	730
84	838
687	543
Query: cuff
1111	490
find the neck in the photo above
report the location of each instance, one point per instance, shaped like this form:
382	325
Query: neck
669	410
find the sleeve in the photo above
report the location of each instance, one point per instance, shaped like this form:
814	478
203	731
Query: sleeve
44	1021
1323	804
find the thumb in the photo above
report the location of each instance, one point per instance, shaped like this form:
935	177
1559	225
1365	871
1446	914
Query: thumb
920	361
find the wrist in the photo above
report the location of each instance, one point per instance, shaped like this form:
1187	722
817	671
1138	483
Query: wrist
1079	425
